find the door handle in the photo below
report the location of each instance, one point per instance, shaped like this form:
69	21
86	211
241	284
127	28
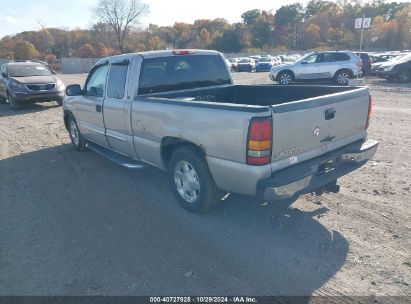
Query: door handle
330	113
98	108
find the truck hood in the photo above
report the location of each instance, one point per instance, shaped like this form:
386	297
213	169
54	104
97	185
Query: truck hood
35	79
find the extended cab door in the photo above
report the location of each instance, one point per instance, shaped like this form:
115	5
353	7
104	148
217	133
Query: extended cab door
117	107
89	107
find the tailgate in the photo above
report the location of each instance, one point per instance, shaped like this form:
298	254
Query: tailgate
308	128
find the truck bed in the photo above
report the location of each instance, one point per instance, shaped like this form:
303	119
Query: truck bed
256	95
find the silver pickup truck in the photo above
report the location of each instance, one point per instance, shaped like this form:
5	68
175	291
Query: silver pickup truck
179	111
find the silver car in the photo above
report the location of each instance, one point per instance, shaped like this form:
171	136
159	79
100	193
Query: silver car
340	67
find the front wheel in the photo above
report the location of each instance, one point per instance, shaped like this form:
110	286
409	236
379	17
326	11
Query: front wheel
13	104
191	181
285	78
76	138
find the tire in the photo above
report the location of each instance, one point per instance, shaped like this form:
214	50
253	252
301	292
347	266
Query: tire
285	78
342	77
13	104
191	181
403	76
76	138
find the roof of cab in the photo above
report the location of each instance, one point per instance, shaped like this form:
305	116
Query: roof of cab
154	54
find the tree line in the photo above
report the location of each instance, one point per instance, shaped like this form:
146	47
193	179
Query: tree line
321	24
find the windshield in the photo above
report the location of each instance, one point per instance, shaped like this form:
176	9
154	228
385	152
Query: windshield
245	60
27	70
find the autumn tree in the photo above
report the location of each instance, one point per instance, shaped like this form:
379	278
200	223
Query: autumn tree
25	51
86	51
121	15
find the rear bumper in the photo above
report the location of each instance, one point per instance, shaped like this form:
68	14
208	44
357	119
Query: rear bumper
316	173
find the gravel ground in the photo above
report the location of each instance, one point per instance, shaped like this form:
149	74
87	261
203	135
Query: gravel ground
76	224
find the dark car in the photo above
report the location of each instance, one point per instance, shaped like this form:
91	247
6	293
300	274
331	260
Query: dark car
29	82
399	69
366	63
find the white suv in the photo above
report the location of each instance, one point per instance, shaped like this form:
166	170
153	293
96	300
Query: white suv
337	66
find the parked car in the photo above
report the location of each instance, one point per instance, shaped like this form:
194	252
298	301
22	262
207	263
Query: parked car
246	64
29	82
179	111
376	67
366	63
264	64
234	63
398	68
255	57
340	67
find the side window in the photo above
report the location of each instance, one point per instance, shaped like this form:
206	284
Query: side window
342	57
328	57
117	80
97	81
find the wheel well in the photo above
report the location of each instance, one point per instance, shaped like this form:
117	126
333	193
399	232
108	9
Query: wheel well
350	72
288	71
67	114
171	144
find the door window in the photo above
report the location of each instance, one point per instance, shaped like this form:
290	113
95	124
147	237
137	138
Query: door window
328	57
312	58
117	80
97	81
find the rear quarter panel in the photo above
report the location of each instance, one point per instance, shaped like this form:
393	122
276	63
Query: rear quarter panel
220	130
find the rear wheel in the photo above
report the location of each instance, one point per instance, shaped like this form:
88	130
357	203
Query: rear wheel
191	181
76	138
403	76
342	77
285	78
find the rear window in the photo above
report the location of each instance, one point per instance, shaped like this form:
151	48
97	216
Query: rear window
173	73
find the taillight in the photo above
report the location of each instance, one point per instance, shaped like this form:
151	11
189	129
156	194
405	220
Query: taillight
183	52
367	124
259	141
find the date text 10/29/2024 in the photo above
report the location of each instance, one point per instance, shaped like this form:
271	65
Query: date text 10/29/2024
199	299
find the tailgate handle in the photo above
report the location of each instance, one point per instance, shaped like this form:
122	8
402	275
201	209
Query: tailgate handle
329	114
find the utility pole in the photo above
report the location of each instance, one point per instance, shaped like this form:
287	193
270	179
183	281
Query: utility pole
362	31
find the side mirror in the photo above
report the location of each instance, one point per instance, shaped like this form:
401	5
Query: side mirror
74	90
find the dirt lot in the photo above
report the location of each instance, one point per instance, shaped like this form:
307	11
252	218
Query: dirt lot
73	223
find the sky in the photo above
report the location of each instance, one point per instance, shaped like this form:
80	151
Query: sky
19	15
